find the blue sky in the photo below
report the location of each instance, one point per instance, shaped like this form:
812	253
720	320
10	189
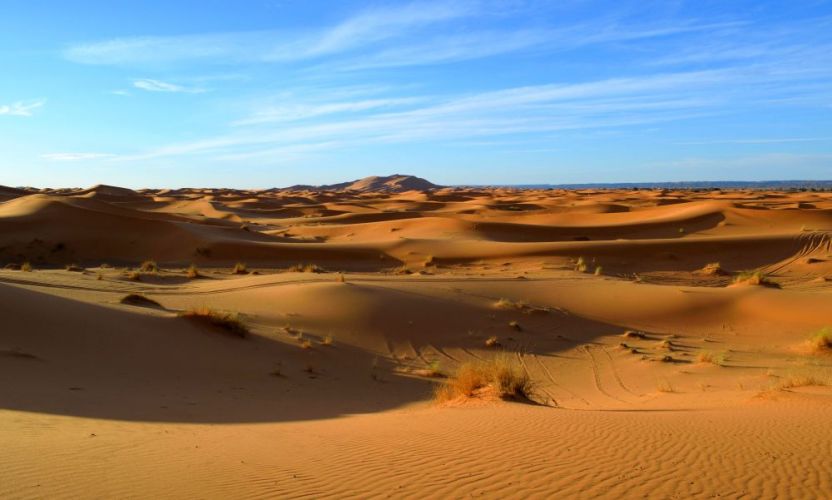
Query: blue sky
256	94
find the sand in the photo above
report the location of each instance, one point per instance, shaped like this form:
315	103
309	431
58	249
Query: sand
354	299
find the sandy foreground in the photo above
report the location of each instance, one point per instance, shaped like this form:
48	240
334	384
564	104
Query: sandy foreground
359	303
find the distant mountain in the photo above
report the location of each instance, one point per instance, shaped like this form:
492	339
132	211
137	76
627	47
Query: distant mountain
395	183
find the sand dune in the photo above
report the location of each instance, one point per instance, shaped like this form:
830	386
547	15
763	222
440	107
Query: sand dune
359	299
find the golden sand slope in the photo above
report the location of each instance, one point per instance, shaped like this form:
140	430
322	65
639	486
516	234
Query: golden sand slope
716	391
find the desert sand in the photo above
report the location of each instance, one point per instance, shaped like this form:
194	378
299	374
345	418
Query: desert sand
671	339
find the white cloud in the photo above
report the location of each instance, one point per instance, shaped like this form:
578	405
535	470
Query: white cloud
76	156
21	108
160	86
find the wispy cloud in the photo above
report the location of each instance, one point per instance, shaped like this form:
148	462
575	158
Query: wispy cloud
296	112
21	108
76	156
365	28
160	86
409	34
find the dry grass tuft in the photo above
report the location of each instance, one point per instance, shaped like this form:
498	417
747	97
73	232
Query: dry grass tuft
307	268
821	342
712	357
492	342
149	266
599	270
239	268
713	269
754	278
580	265
328	341
502	374
818	378
664	386
665	344
193	272
26	267
227	322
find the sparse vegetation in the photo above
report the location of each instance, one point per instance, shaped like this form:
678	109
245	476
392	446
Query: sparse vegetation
754	278
501	376
192	272
820	378
508	305
306	268
26	267
492	342
134	276
580	265
712	357
664	386
821	341
239	268
328	341
713	269
665	344
599	270
227	322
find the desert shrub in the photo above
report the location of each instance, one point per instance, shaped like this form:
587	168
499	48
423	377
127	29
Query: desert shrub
508	305
239	268
821	341
599	270
754	278
580	265
712	357
814	378
501	374
306	268
713	269
664	386
193	272
149	266
227	322
26	267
